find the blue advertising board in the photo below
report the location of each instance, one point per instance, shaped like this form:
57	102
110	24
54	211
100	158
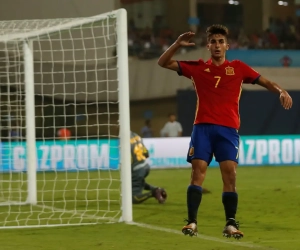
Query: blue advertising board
164	153
266	58
62	155
278	150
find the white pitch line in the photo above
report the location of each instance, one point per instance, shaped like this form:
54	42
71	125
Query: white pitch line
201	236
279	241
167	230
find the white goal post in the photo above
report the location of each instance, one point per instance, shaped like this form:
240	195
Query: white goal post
64	121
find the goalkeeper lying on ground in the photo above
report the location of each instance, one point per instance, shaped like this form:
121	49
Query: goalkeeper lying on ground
140	170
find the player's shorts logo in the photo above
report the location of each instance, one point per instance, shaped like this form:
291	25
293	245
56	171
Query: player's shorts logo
191	151
229	71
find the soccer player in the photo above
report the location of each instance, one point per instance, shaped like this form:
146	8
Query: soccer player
218	85
140	170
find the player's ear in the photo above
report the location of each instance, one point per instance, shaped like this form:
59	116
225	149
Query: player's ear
227	46
207	46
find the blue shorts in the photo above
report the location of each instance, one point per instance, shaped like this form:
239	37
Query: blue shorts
209	139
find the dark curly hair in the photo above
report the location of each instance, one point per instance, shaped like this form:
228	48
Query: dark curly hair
217	29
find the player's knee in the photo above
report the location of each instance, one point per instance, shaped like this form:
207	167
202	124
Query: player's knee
198	172
229	176
229	179
228	170
229	182
199	166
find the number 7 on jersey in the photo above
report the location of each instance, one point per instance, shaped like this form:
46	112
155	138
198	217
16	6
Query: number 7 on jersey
218	80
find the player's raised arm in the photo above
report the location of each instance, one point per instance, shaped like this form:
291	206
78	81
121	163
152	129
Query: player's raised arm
285	99
166	60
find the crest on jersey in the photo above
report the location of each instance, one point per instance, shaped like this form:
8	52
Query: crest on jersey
229	71
191	151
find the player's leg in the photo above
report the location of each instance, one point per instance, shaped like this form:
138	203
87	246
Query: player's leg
200	155
139	197
226	152
159	193
230	199
138	185
147	186
194	195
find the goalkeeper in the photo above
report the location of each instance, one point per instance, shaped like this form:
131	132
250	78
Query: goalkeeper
140	170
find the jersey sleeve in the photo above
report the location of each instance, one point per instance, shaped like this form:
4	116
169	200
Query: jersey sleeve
249	74
187	68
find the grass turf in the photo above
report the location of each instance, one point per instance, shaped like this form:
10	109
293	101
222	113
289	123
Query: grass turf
268	211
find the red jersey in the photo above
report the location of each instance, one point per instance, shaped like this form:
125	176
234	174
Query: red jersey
218	89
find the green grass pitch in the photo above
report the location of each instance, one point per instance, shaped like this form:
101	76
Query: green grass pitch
269	213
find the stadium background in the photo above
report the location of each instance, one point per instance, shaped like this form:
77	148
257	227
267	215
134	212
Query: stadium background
155	92
266	193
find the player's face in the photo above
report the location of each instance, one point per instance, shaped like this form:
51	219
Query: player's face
217	45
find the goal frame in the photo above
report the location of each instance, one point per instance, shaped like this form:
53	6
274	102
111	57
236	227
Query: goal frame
124	110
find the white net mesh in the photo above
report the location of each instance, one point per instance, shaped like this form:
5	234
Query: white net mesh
76	107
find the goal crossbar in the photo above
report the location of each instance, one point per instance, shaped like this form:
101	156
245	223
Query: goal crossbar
73	23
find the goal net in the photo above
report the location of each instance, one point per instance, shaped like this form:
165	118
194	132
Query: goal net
65	152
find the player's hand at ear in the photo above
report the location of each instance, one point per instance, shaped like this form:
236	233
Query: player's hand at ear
286	100
185	38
